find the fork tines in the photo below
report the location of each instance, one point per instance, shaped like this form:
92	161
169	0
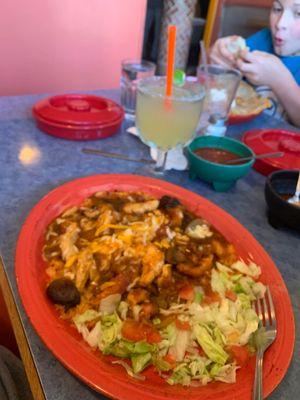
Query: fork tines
265	310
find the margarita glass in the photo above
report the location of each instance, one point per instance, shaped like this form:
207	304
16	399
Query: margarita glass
165	122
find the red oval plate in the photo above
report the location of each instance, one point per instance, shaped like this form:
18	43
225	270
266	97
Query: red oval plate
273	140
93	368
245	92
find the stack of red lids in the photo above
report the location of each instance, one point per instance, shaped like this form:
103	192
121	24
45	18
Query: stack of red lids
78	117
273	140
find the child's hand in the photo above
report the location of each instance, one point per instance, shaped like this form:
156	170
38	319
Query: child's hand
220	54
226	50
261	68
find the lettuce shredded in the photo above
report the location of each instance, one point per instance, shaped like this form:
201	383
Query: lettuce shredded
212	349
129	370
161	364
179	348
213	327
109	304
81	319
140	362
226	373
251	269
110	330
181	375
87	316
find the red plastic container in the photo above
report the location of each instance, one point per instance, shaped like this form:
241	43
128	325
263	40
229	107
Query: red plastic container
273	140
78	117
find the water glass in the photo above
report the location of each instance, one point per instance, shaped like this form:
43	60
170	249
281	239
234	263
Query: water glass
132	72
221	84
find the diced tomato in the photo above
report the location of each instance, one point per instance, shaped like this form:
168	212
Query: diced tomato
229	294
241	354
187	292
138	331
201	351
183	325
153	336
133	330
211	297
170	360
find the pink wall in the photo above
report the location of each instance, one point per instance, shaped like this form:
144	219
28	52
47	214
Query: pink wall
59	45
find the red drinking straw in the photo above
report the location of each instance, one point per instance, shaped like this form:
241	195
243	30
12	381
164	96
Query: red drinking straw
170	59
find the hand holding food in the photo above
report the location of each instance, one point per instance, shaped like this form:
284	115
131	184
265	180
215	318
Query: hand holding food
226	50
262	68
237	45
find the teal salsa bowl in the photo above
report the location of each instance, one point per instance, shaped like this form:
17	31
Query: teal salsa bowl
222	176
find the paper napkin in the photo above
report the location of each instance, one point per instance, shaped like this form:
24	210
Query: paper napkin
175	157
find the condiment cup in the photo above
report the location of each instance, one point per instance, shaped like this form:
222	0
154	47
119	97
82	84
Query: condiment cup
296	198
222	176
279	187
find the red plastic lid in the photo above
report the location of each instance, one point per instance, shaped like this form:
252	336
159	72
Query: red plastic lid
272	140
64	115
77	109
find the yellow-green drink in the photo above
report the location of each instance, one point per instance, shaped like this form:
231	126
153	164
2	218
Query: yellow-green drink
167	122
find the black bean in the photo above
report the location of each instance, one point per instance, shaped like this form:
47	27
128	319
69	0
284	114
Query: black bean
168	202
64	292
187	218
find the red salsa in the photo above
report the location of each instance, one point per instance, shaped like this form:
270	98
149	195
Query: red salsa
219	156
286	196
289	196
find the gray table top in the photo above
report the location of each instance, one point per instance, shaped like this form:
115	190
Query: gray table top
24	184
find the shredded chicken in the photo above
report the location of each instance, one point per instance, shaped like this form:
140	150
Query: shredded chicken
225	252
106	217
118	285
141	208
196	270
67	241
136	296
86	268
132	245
147	310
153	262
165	278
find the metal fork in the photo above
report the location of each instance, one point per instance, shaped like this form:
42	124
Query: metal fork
265	338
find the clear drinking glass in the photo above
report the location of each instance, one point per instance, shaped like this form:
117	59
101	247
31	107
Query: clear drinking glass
167	122
132	72
221	85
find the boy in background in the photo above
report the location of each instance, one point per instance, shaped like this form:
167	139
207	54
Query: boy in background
273	62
